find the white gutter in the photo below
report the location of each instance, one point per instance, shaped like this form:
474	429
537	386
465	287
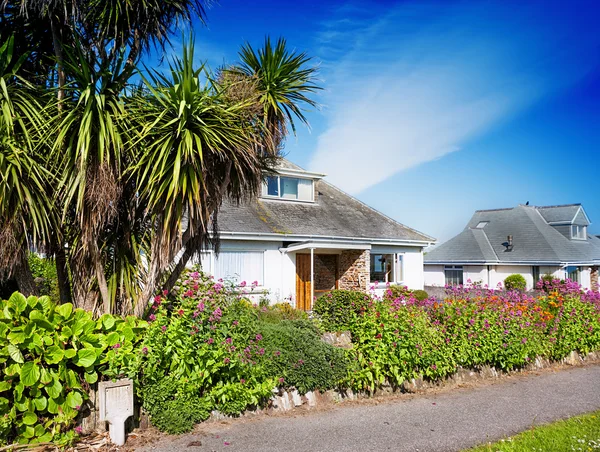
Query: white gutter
467	262
303	238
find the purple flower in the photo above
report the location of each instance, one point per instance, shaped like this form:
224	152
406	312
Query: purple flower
79	430
152	317
210	340
163	328
117	345
228	340
259	337
226	360
145	350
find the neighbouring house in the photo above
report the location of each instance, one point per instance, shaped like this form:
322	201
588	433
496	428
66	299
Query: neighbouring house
529	240
304	237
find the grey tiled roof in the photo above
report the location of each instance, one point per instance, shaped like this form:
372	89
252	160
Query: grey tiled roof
562	214
334	214
534	240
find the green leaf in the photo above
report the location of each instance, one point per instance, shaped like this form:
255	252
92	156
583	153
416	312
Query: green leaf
13	369
40	320
108	321
15	354
32	301
27	431
91	377
29	418
18	301
85	357
30	374
40	403
52	406
54	389
128	333
16	337
65	310
70	353
5	386
54	354
74	399
45	377
45	301
112	338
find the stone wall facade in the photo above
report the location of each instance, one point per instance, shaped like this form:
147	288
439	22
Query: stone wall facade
594	279
325	271
354	270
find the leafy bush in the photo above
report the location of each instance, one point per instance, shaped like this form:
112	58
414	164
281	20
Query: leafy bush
48	355
44	272
420	295
394	342
397	291
515	282
205	339
295	356
338	308
281	311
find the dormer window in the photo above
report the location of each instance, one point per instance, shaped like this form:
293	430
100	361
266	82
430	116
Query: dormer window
578	232
285	187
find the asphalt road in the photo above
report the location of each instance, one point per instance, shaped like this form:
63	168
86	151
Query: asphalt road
447	421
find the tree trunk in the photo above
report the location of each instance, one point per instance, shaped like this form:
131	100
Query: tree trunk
22	274
62	273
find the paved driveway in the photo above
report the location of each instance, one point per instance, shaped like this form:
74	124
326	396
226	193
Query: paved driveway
448	421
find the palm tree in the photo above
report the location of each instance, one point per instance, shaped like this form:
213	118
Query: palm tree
25	209
198	148
285	79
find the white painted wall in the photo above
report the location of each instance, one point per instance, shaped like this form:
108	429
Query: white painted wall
279	272
434	274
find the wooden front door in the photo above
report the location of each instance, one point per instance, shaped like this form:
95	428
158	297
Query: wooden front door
303	291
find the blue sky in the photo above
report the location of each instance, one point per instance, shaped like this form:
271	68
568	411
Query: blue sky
431	110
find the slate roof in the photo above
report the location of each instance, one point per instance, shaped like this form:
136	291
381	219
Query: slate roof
334	214
534	239
563	214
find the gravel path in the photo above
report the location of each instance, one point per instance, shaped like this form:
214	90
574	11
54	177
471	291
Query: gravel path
447	421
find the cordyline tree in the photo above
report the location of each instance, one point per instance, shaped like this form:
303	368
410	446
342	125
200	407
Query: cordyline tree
120	181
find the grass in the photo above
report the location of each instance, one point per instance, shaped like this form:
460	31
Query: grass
581	433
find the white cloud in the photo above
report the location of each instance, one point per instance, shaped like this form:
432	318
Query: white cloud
421	81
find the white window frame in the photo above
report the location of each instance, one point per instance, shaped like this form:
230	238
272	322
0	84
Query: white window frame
577	272
396	271
454	268
578	232
265	190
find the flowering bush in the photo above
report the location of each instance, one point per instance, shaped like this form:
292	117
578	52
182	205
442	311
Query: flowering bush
397	339
200	353
49	355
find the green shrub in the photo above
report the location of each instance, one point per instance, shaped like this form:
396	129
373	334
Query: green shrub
295	353
338	308
44	273
515	282
49	354
420	295
281	311
204	338
396	291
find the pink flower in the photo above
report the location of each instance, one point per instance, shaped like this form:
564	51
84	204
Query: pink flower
281	380
210	340
145	351
180	312
78	430
254	283
152	317
226	360
259	337
243	284
163	328
117	345
228	340
235	323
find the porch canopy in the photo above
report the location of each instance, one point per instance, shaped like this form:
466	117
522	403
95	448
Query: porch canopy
305	287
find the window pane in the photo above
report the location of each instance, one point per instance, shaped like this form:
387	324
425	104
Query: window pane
240	266
454	275
535	270
305	190
400	268
272	186
382	266
289	188
573	273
